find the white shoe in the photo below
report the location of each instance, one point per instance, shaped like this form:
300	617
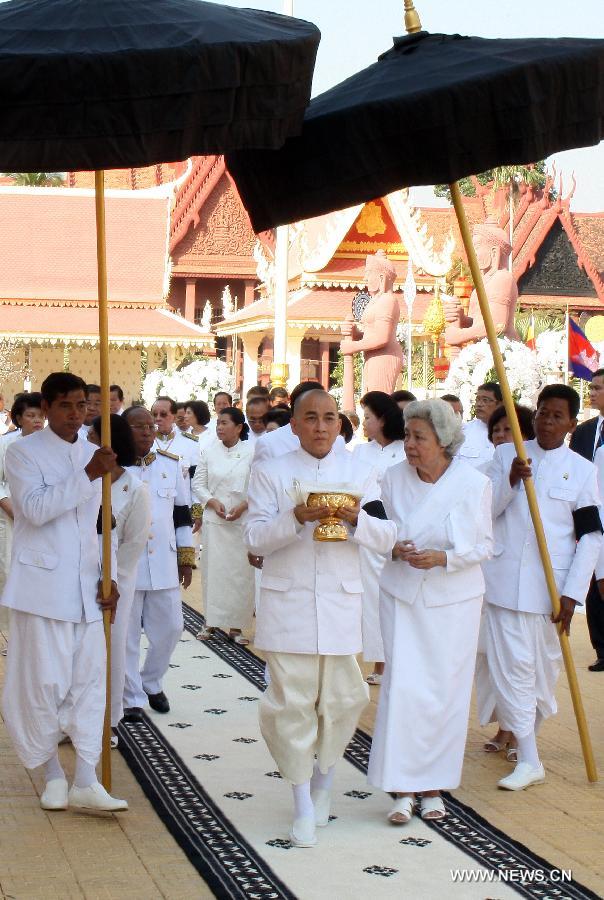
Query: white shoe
321	800
114	741
522	777
302	832
95	797
55	794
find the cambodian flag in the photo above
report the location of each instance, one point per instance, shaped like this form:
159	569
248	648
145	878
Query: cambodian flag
582	356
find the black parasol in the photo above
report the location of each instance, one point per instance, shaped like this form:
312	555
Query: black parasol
432	109
100	84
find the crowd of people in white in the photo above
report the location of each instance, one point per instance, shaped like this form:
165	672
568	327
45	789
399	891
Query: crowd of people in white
439	583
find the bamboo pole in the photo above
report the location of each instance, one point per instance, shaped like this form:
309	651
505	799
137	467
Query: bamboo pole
531	496
101	255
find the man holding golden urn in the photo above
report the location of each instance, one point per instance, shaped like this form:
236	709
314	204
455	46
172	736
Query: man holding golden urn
305	518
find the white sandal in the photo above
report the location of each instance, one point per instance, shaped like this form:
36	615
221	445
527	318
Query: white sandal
432	808
374	678
402	810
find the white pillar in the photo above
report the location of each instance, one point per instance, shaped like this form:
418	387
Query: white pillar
292	356
251	343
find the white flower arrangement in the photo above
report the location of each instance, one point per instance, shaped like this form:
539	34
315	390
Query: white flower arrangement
474	366
552	353
199	380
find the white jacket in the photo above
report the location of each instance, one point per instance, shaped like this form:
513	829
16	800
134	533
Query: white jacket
564	482
311	592
55	565
454	515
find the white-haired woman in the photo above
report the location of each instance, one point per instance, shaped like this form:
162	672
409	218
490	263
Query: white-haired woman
430	601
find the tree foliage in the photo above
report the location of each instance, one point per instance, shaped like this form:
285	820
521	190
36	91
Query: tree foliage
37	179
503	176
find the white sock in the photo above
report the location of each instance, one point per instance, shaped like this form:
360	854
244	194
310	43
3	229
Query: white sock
527	750
53	768
321	781
85	773
303	805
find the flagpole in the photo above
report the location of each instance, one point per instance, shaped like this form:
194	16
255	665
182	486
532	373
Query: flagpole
567	329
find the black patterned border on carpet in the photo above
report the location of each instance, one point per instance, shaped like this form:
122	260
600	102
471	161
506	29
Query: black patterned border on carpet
233	869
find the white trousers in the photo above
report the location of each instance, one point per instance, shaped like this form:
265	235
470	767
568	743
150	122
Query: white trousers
310	708
524	656
119	640
160	613
55	684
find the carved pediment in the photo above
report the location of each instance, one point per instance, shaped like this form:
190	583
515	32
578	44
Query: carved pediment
223	229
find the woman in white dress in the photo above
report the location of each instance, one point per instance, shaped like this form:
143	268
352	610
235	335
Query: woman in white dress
220	485
500	432
131	509
27	415
431	596
384	429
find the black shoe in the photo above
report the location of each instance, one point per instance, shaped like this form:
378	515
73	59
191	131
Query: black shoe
598	666
134	714
159	702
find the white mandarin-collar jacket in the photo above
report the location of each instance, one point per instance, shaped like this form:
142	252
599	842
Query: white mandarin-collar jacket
564	482
454	515
158	564
55	565
477	450
311	592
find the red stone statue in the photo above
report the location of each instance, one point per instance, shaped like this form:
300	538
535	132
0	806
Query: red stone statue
375	334
493	251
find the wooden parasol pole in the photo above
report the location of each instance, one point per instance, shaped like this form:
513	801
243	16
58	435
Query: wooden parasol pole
101	255
531	496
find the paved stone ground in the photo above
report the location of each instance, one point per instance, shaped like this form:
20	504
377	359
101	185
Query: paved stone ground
131	855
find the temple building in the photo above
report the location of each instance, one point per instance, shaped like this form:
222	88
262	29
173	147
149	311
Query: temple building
188	276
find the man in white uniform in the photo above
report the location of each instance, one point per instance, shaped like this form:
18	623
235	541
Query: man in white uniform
116	400
170	438
166	563
284	440
55	679
522	645
309	619
477	448
255	410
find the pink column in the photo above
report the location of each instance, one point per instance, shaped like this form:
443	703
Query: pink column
324	354
190	299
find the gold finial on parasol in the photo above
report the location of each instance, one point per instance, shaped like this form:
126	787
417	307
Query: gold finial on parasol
412	21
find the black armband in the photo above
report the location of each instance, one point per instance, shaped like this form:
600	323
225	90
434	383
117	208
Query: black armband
182	516
587	520
192	471
99	522
375	509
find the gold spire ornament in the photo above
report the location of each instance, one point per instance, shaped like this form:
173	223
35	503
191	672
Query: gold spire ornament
412	20
434	319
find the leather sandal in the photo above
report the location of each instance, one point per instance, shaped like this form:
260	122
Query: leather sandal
494	746
432	808
512	754
402	810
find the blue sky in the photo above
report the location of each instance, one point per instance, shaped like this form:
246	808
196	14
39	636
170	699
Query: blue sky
355	32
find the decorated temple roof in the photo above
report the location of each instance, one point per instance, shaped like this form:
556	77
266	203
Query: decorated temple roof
78	326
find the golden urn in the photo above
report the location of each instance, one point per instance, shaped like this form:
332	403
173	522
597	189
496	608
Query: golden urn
331	528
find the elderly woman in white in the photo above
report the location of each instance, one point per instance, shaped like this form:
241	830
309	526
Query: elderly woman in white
430	601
